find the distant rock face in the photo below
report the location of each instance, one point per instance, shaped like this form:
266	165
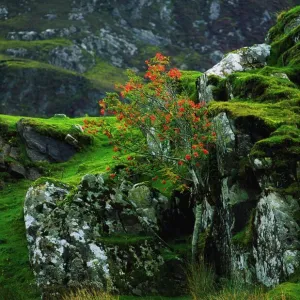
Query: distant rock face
46	91
80	35
101	237
44	148
3	12
120	31
71	58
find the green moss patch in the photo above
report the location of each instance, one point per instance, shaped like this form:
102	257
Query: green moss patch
284	142
58	128
104	75
270	117
188	83
286	290
40	49
282	44
179	249
262	88
284	18
16	278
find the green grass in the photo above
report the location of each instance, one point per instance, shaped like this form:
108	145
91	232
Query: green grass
291	291
102	76
15	273
43	47
105	75
34	20
16	277
33	64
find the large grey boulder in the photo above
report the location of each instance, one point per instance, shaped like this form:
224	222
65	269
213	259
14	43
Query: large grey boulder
240	60
95	237
277	243
44	148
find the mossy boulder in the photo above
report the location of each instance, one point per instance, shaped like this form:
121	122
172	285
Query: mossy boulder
254	232
83	237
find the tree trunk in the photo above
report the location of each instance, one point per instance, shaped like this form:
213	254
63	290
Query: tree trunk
198	213
196	231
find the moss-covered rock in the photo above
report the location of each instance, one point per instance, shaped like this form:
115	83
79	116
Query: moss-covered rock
94	236
256	117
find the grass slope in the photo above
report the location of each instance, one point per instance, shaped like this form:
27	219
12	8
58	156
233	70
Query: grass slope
16	278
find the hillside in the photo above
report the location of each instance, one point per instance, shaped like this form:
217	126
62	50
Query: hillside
70	52
133	236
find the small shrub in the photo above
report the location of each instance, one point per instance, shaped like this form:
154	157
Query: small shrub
89	295
200	280
235	289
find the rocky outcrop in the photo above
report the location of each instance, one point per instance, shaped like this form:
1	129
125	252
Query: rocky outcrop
12	166
44	148
41	90
100	235
71	58
122	31
253	233
254	230
244	59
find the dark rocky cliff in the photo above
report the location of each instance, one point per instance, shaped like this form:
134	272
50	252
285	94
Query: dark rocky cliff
253	229
98	39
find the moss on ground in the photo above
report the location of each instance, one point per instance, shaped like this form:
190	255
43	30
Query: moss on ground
285	290
59	128
187	83
40	49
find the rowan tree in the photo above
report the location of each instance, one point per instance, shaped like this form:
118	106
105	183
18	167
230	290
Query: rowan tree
163	127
